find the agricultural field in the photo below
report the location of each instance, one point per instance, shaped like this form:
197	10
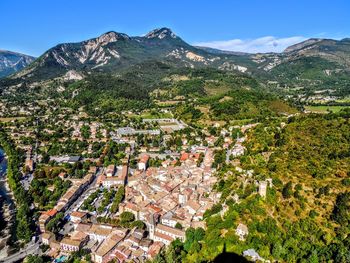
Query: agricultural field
325	109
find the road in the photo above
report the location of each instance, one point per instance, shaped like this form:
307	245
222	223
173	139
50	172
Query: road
31	249
68	226
77	203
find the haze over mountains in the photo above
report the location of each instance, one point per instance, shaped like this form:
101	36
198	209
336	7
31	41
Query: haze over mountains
315	62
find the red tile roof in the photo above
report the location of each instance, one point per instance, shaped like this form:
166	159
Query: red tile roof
144	158
51	212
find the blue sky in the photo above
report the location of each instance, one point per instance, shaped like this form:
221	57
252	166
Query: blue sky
34	26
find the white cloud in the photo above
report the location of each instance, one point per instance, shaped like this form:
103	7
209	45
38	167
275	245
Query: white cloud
262	44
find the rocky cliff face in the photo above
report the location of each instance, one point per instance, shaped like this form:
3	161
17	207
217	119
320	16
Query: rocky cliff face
114	52
11	62
312	62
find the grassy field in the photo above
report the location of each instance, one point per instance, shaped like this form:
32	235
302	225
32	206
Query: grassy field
241	122
325	109
168	103
158	115
8	119
211	90
344	100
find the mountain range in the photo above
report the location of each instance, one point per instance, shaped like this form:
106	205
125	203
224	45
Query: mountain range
11	62
113	52
312	64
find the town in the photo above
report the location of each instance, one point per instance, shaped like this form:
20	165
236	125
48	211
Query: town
133	186
159	132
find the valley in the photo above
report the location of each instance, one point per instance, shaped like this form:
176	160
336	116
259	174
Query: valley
147	149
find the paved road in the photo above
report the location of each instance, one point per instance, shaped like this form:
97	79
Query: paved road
30	249
33	248
82	196
77	203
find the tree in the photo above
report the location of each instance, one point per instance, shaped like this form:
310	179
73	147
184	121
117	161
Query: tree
199	234
34	259
85	131
119	196
178	225
287	191
139	224
127	217
341	210
173	253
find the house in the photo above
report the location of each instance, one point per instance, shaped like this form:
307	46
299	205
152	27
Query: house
47	238
238	150
165	239
69	245
168	219
110	170
75	242
242	231
99	232
121	253
45	217
69	197
62	175
262	188
154	249
29	165
82	227
112	181
55	247
73	159
104	250
197	224
143	163
185	196
192	206
145	244
125	131
139	233
167	234
124	174
134	241
76	216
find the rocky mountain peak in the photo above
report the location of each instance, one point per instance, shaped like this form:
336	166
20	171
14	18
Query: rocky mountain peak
111	36
11	62
302	45
161	33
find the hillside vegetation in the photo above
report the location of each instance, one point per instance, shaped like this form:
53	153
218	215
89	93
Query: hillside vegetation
305	216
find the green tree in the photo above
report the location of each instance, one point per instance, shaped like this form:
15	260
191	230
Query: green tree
178	225
127	217
287	190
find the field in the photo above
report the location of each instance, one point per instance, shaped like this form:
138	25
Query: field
168	103
325	109
344	100
156	115
8	119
